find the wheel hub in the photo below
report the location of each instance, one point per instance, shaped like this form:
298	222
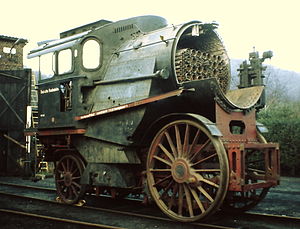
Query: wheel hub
181	170
68	179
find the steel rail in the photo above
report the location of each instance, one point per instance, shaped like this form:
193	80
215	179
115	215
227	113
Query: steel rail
245	214
155	217
272	216
56	219
205	225
27	186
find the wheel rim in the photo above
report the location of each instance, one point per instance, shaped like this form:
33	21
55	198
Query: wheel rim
187	171
244	201
67	178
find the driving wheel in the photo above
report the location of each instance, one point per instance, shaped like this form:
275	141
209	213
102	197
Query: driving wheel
187	171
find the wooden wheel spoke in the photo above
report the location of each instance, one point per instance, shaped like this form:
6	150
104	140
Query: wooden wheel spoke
75	170
186	140
74	191
75	178
203	146
171	144
72	166
160	170
188	200
172	200
195	140
205	159
207	170
178	141
60	180
169	155
205	193
162	160
64	167
68	164
197	199
162	180
76	184
70	192
166	189
180	199
209	182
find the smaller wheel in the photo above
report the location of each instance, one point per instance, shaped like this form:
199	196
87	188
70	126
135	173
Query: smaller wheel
244	201
67	179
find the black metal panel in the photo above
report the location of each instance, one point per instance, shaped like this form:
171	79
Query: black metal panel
14	97
3	152
59	101
15	88
111	175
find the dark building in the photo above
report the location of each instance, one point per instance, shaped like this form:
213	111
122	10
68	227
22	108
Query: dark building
15	87
11	52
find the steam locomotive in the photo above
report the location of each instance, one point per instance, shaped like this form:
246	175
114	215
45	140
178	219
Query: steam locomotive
141	107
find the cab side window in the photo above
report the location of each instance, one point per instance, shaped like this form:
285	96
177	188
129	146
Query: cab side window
64	61
47	65
91	54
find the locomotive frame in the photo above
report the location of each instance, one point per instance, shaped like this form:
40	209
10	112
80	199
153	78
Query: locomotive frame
151	114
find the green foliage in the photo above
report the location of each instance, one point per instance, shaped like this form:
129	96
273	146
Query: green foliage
283	123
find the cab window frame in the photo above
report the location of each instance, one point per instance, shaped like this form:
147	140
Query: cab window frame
100	55
47	58
58	62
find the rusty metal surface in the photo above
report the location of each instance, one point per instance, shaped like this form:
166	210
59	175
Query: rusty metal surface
245	98
61	132
246	122
130	105
241	172
207	91
111	175
192	64
208	57
96	151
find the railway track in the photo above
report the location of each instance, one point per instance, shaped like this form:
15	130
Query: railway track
124	217
135	212
57	221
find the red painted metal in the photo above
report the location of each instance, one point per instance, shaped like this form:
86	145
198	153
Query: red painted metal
239	145
28	132
238	168
236	159
60	132
223	120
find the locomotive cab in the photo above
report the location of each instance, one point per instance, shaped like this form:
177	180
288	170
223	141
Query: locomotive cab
60	80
